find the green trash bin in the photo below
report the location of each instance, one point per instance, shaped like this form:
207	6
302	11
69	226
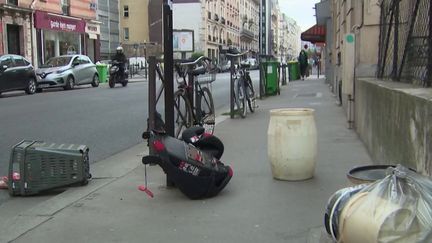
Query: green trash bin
271	77
294	70
103	72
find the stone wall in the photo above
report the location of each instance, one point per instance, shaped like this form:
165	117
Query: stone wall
394	121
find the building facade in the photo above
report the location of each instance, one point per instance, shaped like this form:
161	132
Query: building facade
249	31
134	26
60	27
108	16
16	28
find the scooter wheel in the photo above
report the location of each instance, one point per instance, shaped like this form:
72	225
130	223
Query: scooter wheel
111	83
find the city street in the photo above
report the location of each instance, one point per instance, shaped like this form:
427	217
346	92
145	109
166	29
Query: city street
106	120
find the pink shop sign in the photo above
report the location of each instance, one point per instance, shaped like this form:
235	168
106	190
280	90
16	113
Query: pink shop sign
44	20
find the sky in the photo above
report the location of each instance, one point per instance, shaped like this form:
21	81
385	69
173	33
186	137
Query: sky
301	11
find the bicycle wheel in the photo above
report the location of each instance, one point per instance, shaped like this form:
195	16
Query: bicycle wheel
182	113
250	96
240	98
206	110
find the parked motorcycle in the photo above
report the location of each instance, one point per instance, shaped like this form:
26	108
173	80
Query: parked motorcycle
116	76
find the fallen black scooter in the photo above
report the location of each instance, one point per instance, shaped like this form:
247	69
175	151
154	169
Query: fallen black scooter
193	163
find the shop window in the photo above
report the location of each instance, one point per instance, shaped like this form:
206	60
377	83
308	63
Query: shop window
126	11
126	33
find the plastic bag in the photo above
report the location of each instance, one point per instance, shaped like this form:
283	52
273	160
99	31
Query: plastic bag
397	208
3	182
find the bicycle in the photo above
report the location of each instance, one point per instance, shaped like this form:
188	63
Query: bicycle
193	104
243	88
201	110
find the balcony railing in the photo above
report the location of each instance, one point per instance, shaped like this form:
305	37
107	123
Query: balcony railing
245	33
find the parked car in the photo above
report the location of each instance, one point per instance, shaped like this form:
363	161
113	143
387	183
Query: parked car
16	73
67	71
225	67
252	62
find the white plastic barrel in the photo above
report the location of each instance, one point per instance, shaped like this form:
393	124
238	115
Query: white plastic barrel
292	143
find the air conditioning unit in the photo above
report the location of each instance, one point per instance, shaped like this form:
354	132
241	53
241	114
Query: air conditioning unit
37	166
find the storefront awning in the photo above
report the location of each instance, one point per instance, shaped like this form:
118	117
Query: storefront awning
314	34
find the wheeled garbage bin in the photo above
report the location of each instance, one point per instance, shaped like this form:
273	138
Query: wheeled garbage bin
37	166
294	70
102	72
271	77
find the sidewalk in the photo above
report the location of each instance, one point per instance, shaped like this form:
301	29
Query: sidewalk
252	208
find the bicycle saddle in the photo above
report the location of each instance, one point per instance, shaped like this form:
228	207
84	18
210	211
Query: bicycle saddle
204	141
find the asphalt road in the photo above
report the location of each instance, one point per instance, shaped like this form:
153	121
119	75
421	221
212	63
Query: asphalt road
106	120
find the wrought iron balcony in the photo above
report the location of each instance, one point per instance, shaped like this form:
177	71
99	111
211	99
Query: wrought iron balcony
247	34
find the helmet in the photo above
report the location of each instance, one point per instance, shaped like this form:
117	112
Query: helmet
119	49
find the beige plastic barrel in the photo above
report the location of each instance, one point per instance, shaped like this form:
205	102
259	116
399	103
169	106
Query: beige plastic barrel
292	143
366	220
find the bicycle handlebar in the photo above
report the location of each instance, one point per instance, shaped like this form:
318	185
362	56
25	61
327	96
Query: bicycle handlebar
194	62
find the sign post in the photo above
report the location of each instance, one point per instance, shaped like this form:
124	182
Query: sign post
168	71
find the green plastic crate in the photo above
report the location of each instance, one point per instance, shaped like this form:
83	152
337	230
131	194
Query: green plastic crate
36	166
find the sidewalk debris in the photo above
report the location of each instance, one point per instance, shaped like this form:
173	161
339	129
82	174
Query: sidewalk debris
397	208
3	182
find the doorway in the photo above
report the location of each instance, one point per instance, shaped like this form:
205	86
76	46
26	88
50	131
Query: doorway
13	38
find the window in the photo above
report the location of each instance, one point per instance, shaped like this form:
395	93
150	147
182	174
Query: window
13	2
126	11
126	33
6	61
19	61
84	60
65	6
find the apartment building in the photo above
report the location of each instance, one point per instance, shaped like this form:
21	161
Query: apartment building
274	23
293	44
108	15
249	31
134	26
16	27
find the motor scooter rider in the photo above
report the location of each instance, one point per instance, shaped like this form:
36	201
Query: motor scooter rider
121	58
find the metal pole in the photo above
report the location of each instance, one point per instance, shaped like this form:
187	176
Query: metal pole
168	72
168	67
152	92
428	82
396	42
232	88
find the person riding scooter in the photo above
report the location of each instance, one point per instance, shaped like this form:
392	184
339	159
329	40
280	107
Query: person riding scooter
121	58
